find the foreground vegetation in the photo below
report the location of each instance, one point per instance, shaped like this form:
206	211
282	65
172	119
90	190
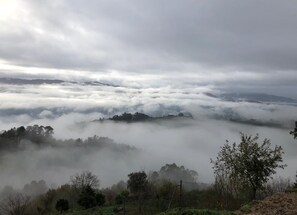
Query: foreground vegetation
110	211
242	171
197	212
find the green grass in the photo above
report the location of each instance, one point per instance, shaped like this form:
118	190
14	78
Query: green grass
109	211
93	211
132	209
197	212
246	208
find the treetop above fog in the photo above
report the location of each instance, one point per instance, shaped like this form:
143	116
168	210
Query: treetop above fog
294	131
42	136
141	117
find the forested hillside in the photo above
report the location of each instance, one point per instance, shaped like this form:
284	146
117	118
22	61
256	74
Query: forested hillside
242	171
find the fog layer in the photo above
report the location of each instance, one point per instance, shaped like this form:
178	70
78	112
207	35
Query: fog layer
71	109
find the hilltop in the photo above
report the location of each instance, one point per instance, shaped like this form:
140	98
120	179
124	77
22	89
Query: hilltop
141	117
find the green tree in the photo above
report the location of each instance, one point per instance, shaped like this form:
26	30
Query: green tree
138	185
249	163
137	182
122	197
62	205
21	132
87	198
100	199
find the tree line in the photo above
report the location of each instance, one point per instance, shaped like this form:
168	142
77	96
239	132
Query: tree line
243	172
42	136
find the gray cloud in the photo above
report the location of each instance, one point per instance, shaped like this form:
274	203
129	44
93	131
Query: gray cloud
233	45
150	36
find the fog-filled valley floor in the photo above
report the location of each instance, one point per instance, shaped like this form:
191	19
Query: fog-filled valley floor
74	111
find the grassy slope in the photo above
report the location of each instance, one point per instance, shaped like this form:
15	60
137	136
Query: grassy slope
197	212
133	211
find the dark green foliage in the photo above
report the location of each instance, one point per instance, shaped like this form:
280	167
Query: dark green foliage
137	182
294	132
128	117
146	199
100	199
87	198
41	136
62	205
11	139
138	185
38	134
21	131
207	198
122	197
141	117
248	164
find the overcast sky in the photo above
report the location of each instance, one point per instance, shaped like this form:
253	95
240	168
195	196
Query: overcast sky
223	43
163	56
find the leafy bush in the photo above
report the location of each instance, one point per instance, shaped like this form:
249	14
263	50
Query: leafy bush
62	205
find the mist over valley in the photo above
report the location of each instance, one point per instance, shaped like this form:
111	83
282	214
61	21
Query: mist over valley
183	126
149	107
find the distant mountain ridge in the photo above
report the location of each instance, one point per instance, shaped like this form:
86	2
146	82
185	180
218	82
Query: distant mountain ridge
256	98
21	81
232	97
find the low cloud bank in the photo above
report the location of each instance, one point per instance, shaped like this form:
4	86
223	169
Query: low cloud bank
186	142
71	109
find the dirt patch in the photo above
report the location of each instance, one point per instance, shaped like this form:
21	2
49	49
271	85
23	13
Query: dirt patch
277	204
